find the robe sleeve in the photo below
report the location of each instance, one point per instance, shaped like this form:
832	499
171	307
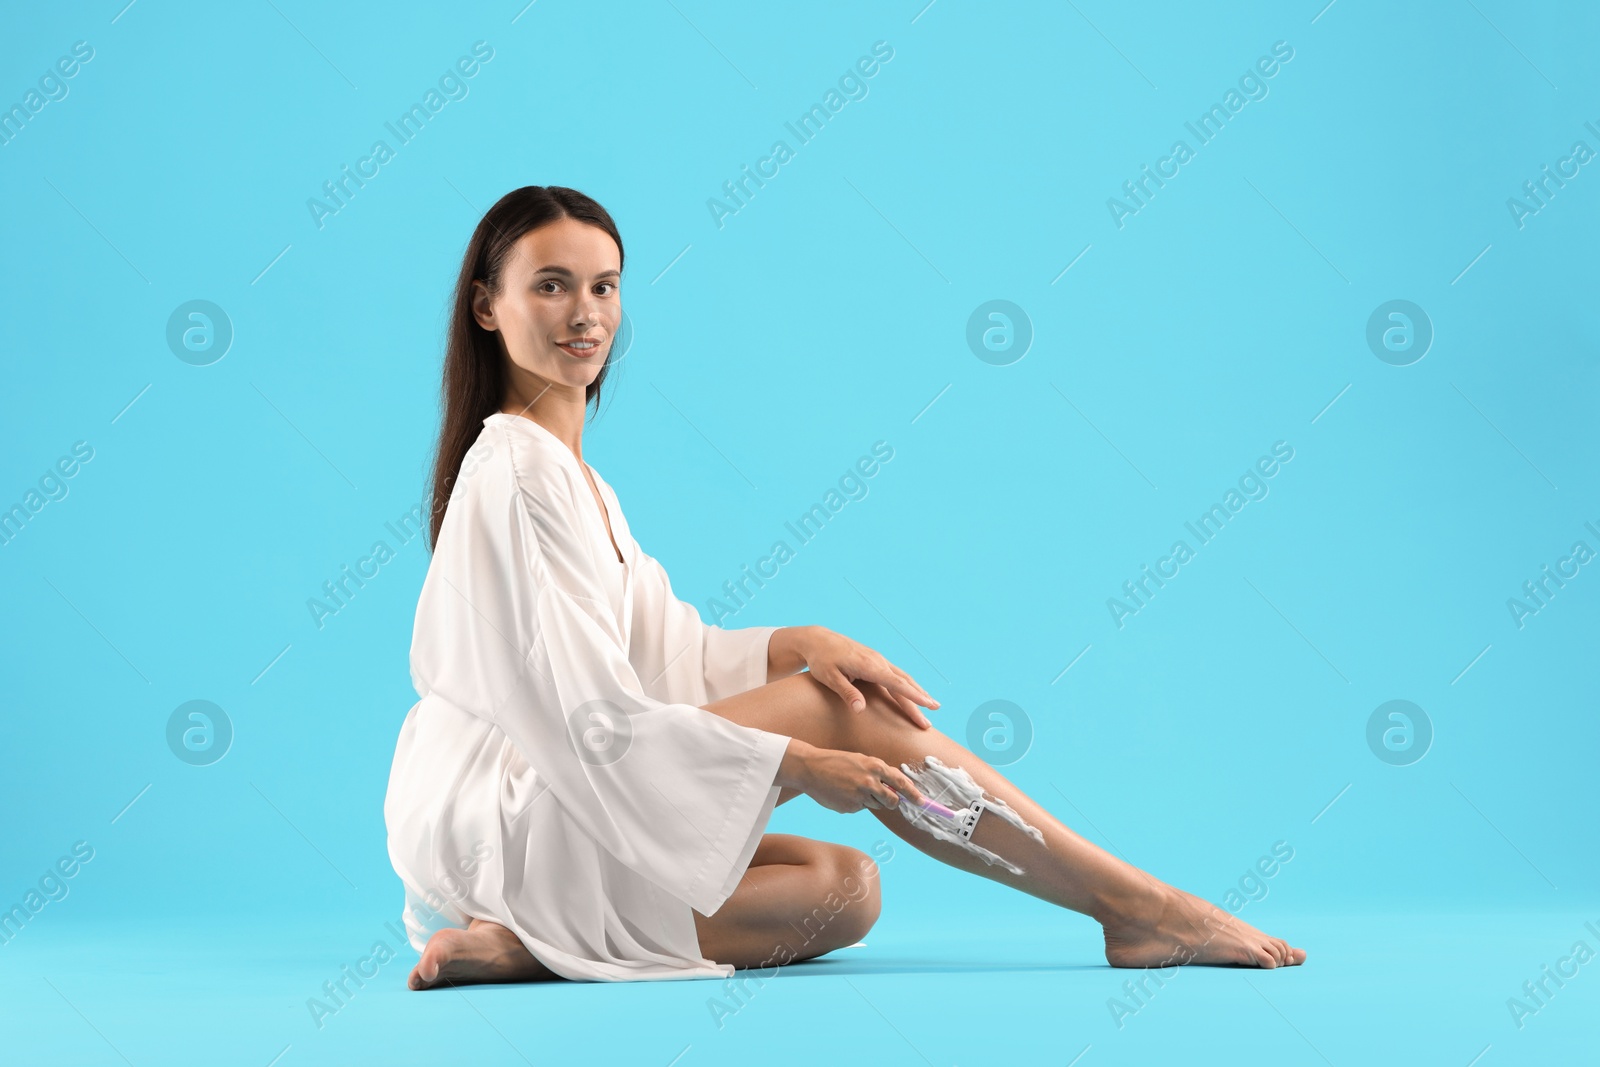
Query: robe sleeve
514	626
732	661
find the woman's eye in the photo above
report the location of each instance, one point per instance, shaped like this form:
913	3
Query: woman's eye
610	285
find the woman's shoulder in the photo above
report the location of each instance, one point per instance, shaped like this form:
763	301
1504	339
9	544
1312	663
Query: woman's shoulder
520	450
516	458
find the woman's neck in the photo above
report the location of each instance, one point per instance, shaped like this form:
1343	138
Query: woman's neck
562	418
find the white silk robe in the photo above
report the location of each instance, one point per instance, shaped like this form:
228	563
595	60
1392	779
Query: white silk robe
558	775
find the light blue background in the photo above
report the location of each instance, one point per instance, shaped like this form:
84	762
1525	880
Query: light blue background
829	313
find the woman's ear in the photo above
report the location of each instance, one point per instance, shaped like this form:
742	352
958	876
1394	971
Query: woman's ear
482	306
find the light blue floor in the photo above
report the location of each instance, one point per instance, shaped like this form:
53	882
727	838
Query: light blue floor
1377	989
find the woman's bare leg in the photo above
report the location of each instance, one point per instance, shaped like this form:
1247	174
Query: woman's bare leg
799	899
1146	921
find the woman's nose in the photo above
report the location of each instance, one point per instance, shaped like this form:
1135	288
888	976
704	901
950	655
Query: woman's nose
585	311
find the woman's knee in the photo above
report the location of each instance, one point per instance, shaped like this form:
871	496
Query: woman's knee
857	892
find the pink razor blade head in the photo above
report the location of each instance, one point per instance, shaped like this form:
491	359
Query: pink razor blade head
966	819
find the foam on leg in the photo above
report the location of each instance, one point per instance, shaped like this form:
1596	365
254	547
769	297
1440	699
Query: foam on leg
955	788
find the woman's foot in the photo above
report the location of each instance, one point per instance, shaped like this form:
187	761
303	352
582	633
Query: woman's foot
1175	927
483	952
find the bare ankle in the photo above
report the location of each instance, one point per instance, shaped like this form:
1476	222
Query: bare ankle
1135	901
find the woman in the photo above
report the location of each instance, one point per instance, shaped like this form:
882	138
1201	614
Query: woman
581	790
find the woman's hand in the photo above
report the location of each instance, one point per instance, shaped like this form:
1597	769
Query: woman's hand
845	781
836	661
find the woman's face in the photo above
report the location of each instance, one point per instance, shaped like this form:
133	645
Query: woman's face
559	291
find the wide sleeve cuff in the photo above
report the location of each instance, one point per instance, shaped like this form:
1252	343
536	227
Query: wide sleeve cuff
735	660
748	814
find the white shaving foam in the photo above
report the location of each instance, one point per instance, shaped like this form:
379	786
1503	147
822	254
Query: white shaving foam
954	788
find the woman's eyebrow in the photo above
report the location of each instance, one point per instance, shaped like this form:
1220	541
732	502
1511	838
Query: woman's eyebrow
565	273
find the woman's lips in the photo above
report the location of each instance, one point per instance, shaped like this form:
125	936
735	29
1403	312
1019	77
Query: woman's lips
580	353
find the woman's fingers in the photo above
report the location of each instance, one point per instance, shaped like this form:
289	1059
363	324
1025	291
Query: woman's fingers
919	694
900	688
911	691
904	694
840	683
880	795
903	703
889	784
906	785
908	708
906	697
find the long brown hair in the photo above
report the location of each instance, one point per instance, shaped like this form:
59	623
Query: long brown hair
474	360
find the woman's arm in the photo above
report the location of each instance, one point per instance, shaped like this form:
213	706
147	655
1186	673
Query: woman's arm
744	658
783	652
843	781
